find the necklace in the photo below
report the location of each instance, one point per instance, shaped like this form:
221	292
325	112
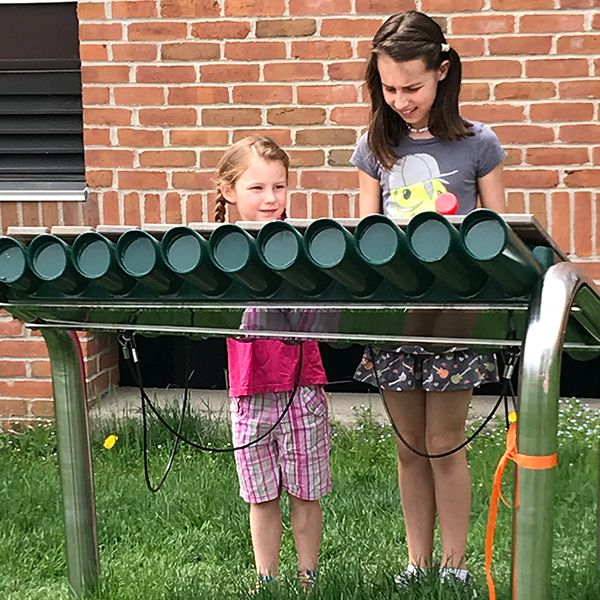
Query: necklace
417	130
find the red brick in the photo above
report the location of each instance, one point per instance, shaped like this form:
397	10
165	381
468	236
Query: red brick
139	95
30	212
143	52
341	206
468	46
482	24
515	202
296	116
339	158
110	208
190	51
491	69
199	94
100	31
141	137
221	30
41	368
198	137
522	4
193	208
255	50
306	158
42	408
557	156
347	71
229	73
99	178
12	368
562	111
556	67
329	179
8	211
165	74
255	8
449	6
173	207
278	28
537	207
23	348
551	22
109	158
189	8
106	116
582	219
134	9
524	134
193	180
13	408
587	178
474	91
219	117
131	206
168	116
293	71
525	90
324	50
531	178
588	88
26	388
156	30
95	95
338	27
168	158
327	94
144	180
93	52
105	74
561	220
72	213
578	44
383	7
582	134
151	207
210	158
350	115
281	136
262	94
90	10
493	113
298	205
517	44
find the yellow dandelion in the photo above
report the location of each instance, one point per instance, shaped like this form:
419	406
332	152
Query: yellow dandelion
512	417
110	441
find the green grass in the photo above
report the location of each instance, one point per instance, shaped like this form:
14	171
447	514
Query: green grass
191	540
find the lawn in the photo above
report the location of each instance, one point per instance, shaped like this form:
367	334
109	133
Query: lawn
191	539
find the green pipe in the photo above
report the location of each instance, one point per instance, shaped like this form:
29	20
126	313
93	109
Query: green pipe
332	248
74	458
14	270
50	260
384	247
95	258
437	244
186	253
233	250
281	248
500	252
138	254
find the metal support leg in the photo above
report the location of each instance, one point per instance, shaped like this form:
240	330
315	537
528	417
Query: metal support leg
74	459
537	426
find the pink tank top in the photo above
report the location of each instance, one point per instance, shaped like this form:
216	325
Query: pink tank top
264	366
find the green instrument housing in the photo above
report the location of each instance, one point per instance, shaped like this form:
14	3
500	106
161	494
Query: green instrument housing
14	268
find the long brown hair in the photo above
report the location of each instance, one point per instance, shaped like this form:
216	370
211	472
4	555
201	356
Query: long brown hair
408	36
238	158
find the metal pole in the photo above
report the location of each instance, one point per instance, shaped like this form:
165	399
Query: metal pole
537	426
74	458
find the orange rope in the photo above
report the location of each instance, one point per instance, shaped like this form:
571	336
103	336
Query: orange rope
524	461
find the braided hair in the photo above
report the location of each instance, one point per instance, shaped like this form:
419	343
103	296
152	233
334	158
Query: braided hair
238	158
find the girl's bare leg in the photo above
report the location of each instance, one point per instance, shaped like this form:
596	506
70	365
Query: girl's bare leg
415	476
265	528
307	524
446	417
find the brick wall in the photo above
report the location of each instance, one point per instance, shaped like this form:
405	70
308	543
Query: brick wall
169	84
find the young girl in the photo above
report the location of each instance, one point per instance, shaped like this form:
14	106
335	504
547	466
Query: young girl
416	148
253	176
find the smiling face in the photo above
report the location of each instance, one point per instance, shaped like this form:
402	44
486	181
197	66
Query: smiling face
260	192
409	88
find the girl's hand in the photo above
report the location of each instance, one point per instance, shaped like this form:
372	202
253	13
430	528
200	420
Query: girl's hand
491	190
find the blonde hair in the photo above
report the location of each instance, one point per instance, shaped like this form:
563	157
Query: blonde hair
238	158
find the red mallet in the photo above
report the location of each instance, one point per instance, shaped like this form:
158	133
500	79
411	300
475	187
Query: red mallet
446	204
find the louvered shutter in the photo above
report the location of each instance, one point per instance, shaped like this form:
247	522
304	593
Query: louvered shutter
41	130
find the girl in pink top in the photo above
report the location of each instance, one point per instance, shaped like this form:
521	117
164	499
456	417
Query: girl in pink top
253	176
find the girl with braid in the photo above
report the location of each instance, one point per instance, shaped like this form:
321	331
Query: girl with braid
253	176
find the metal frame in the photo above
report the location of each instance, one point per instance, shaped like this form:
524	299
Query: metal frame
562	291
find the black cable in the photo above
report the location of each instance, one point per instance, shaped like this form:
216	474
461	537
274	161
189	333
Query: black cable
506	386
136	372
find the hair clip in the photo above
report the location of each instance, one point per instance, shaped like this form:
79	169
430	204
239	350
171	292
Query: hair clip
445	47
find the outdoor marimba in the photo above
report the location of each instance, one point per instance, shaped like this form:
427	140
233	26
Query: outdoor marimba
481	281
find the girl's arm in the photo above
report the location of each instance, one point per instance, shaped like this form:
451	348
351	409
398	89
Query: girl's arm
369	200
491	190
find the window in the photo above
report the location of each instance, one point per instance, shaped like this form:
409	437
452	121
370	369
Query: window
41	129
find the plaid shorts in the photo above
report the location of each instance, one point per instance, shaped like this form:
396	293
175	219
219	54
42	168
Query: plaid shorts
412	367
294	457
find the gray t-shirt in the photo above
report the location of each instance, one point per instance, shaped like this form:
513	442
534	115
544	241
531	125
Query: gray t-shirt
427	168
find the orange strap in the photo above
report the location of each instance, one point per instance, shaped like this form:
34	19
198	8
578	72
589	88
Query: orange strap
524	461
